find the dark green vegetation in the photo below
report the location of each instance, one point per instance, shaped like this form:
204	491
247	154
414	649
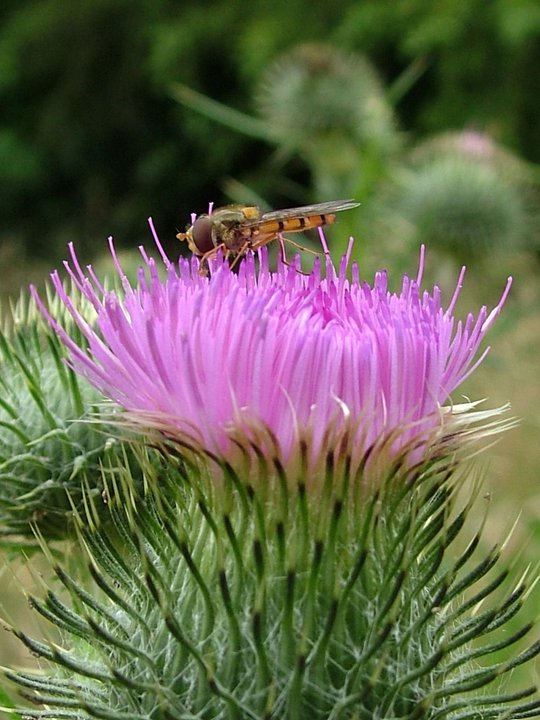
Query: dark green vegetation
93	138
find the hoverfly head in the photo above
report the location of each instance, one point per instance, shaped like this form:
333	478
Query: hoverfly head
199	236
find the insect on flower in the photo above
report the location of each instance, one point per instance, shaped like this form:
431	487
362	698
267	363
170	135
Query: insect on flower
235	229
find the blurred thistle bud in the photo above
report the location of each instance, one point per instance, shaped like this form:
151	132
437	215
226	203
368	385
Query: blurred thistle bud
316	90
465	194
330	107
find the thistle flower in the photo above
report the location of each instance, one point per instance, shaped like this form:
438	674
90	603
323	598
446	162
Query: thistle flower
288	359
269	600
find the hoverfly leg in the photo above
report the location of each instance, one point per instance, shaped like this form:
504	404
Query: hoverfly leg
303	248
282	252
204	269
283	255
241	252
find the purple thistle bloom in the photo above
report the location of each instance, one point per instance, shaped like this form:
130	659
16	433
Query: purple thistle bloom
281	354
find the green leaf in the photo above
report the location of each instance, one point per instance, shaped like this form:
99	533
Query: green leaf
219	112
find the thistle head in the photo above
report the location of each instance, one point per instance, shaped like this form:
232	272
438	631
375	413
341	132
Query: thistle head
318	583
293	364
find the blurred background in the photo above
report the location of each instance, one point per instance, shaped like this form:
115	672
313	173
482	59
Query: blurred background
425	112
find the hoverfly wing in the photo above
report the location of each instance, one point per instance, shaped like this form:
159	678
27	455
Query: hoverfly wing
323	208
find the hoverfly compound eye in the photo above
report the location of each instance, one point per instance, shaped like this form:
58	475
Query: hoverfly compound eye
201	232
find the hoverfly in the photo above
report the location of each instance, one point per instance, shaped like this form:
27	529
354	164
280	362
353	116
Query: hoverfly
235	229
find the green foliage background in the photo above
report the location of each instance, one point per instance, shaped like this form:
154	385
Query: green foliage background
92	141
